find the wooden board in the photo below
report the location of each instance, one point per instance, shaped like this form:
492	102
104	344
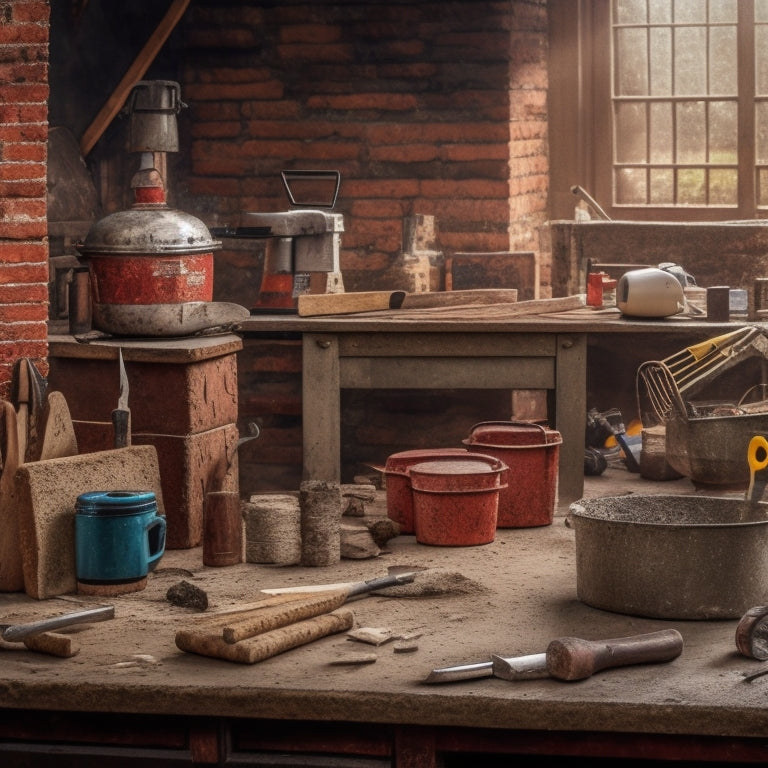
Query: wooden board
371	301
46	492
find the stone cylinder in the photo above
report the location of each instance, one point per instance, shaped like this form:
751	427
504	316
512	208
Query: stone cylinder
320	505
272	529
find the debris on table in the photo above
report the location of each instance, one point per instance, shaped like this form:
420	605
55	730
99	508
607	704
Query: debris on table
186	595
372	635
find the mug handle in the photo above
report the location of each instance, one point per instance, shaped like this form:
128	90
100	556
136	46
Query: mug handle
158	521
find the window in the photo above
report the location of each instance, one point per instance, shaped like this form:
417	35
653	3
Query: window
689	79
673	103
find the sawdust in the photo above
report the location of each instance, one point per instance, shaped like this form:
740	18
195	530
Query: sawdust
434	582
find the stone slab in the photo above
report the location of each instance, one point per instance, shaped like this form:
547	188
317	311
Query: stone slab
47	491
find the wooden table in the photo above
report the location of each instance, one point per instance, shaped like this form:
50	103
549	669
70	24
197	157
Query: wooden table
478	347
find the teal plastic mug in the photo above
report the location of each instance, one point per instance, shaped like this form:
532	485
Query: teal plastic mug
119	536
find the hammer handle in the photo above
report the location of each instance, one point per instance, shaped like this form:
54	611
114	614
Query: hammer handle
570	658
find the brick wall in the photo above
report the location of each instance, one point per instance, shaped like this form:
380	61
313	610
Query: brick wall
23	137
427	108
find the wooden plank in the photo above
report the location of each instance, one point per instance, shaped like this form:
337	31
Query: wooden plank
448	373
135	72
386	344
494	311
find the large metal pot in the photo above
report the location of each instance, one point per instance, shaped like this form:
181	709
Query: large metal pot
671	557
147	261
710	450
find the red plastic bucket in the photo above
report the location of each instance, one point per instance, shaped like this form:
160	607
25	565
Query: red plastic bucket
532	453
398	481
456	503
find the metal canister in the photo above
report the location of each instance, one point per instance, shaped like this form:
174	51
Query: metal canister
147	259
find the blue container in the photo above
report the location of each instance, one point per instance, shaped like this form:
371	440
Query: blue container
119	536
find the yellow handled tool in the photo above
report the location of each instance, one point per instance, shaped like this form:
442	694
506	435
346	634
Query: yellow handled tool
757	457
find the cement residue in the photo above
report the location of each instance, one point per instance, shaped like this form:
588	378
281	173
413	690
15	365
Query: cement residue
433	582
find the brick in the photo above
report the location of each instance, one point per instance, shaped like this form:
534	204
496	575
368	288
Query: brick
164	398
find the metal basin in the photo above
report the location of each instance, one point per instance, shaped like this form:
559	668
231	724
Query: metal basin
671	557
710	450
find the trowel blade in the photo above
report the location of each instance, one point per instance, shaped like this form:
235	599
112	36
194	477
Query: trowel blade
529	667
473	671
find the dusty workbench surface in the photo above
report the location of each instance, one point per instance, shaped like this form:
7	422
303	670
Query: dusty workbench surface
522	594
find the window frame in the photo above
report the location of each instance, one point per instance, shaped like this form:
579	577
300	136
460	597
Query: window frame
582	145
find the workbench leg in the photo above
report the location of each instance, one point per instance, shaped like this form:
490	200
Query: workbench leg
571	413
415	748
321	407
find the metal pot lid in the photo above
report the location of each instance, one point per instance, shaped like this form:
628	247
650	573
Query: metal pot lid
510	433
148	230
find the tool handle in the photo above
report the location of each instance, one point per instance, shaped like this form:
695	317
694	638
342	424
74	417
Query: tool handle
121	421
570	658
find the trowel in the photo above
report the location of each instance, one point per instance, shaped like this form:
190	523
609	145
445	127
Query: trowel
18	632
570	658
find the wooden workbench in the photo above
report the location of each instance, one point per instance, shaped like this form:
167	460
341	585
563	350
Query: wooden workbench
477	347
132	694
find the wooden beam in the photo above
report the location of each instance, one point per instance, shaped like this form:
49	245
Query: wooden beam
135	72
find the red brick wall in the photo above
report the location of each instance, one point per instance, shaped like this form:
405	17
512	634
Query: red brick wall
428	108
23	147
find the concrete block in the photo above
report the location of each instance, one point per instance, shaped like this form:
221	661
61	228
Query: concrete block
47	491
164	398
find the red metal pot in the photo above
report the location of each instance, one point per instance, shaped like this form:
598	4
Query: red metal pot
456	503
149	258
531	452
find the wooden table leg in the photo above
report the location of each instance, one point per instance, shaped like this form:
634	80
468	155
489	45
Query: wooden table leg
321	407
571	413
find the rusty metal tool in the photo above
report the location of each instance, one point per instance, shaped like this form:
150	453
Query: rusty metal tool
570	658
121	416
18	632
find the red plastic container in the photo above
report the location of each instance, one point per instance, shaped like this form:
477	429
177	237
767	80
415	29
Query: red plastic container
456	503
532	454
398	481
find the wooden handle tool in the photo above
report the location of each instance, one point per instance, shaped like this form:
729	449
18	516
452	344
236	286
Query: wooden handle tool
266	645
570	658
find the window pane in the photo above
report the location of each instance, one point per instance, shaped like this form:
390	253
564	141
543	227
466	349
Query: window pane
631	133
661	61
629	12
762	187
690	10
660	11
690	186
630	186
761	10
761	59
690	61
761	132
662	142
691	132
632	75
722	56
723	132
722	11
662	186
723	186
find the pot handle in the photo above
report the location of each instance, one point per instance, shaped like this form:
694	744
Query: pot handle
507	423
